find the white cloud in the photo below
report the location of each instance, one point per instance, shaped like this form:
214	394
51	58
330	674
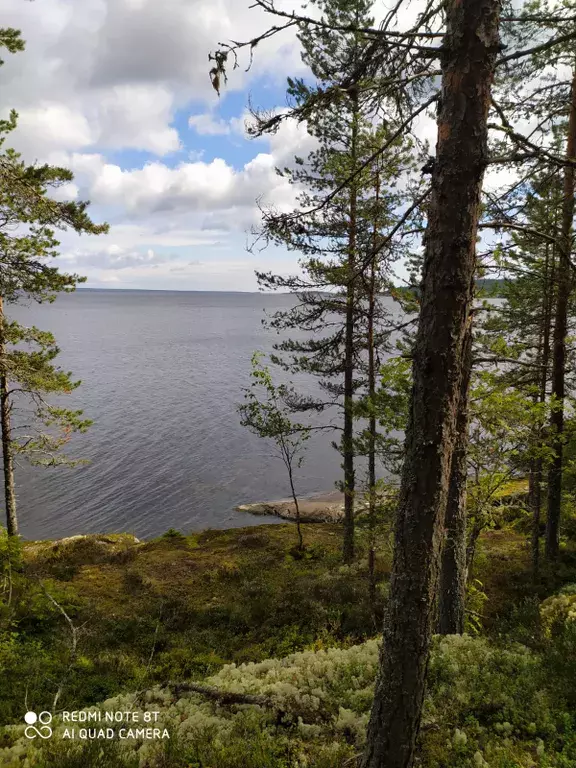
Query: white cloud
137	116
198	209
114	257
100	76
117	268
50	126
208	125
159	190
110	279
111	73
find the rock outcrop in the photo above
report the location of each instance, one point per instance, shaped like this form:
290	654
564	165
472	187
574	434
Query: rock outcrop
311	511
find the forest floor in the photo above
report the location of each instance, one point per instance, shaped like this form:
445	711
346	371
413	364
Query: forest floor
99	616
183	606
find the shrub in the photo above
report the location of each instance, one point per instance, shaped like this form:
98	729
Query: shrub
486	705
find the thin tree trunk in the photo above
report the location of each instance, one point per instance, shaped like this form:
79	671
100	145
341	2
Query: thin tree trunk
534	489
535	503
348	430
470	46
297	510
452	603
565	282
372	416
6	428
543	359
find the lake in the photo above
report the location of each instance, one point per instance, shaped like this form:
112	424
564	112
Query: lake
162	374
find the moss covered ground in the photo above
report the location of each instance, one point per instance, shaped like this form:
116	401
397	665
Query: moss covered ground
186	607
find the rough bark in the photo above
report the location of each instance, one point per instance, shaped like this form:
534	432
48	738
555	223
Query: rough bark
453	575
565	284
468	62
6	429
348	427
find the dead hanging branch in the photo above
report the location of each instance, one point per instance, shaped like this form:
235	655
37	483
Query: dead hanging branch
380	44
218	74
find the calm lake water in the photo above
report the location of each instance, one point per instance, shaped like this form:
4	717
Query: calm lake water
162	375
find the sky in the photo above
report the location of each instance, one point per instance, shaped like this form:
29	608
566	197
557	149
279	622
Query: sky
119	92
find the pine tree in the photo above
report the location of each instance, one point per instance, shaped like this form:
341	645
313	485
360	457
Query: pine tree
29	217
446	303
539	89
338	238
519	332
565	287
398	65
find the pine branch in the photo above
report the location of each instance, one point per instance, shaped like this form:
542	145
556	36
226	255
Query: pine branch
537	48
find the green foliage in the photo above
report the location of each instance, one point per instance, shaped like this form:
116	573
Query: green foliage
175	608
78	754
173	534
559	611
11	39
476	599
29	218
486	704
264	412
504	436
192	605
34	648
32	375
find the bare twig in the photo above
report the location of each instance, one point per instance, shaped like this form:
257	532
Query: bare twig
537	48
138	694
74	632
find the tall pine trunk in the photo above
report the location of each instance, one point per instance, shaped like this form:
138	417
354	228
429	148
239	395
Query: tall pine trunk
6	428
565	282
348	430
469	51
453	575
372	397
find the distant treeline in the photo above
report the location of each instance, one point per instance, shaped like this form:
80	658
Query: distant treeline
487	286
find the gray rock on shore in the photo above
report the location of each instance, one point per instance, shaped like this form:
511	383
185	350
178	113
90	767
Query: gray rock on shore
311	511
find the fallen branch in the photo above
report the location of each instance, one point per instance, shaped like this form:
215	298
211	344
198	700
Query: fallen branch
225	697
284	717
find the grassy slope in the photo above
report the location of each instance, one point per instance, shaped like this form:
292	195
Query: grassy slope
181	607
